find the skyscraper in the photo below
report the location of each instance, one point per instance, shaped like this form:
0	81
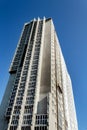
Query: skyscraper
39	93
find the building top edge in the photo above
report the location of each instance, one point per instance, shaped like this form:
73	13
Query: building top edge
47	19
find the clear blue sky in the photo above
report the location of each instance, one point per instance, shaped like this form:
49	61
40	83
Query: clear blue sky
70	19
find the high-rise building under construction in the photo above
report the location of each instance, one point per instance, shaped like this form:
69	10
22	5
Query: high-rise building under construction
39	93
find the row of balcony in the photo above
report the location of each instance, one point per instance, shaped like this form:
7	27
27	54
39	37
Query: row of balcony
33	79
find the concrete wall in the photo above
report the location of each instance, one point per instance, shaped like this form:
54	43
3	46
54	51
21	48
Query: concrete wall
45	82
46	61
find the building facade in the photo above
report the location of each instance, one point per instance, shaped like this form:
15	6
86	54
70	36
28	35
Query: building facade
39	93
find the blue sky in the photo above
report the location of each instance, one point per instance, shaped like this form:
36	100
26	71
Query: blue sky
70	19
